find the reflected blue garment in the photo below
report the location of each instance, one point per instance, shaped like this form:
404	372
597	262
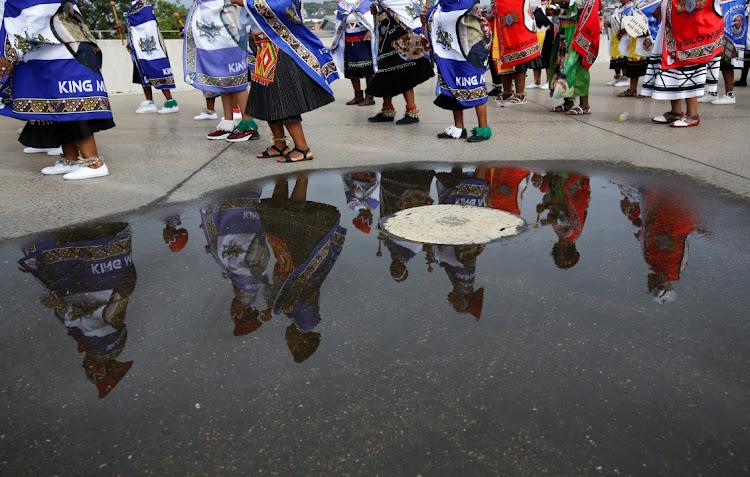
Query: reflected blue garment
282	23
55	78
299	295
77	268
235	236
146	44
468	191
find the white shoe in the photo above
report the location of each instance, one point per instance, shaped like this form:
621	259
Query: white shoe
620	83
60	168
87	173
723	100
55	152
20	130
708	98
34	150
206	114
172	108
544	86
146	107
613	82
533	85
236	114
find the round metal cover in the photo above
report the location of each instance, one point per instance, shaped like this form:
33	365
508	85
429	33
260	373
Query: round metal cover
452	224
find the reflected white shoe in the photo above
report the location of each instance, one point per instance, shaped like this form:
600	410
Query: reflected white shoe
708	98
146	107
34	150
62	166
726	99
87	173
55	152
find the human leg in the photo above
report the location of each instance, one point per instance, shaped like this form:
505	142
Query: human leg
301	151
357	93
279	146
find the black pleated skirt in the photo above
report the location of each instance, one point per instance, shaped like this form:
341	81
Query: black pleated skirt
47	134
291	94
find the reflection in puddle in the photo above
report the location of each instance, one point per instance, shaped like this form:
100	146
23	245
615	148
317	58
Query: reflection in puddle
306	240
538	344
89	274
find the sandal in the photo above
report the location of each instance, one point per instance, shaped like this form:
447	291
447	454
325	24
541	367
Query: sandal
266	155
577	111
667	118
562	108
288	158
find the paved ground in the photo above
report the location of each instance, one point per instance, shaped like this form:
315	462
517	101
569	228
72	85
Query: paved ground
156	158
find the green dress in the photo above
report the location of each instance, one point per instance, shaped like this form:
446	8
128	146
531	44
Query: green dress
565	60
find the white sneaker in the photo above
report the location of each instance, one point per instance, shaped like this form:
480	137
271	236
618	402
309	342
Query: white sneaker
620	83
544	86
533	85
613	82
236	114
87	173
146	107
55	152
726	99
169	107
20	130
34	150
708	98
206	114
60	168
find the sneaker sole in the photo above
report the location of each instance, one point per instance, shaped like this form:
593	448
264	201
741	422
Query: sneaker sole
206	119
97	174
217	138
246	138
146	112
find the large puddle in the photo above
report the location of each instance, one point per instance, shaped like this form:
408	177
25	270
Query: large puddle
275	329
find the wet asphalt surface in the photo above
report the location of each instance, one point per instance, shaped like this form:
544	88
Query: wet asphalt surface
609	338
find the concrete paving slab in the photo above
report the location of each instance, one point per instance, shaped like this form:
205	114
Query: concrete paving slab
166	158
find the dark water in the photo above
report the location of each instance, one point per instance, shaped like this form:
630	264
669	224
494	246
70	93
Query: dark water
285	335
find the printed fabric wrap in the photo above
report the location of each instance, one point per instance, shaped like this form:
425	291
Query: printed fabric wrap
587	35
215	48
460	41
147	46
305	279
238	244
346	8
693	32
264	69
735	22
56	64
518	41
281	21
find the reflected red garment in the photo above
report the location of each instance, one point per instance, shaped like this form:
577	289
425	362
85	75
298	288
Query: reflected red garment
666	227
577	192
504	185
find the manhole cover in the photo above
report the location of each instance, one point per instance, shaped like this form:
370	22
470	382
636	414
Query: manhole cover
452	224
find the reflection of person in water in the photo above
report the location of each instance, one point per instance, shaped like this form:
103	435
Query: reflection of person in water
176	238
400	190
460	262
630	204
667	222
306	239
566	196
362	190
237	242
90	275
506	188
